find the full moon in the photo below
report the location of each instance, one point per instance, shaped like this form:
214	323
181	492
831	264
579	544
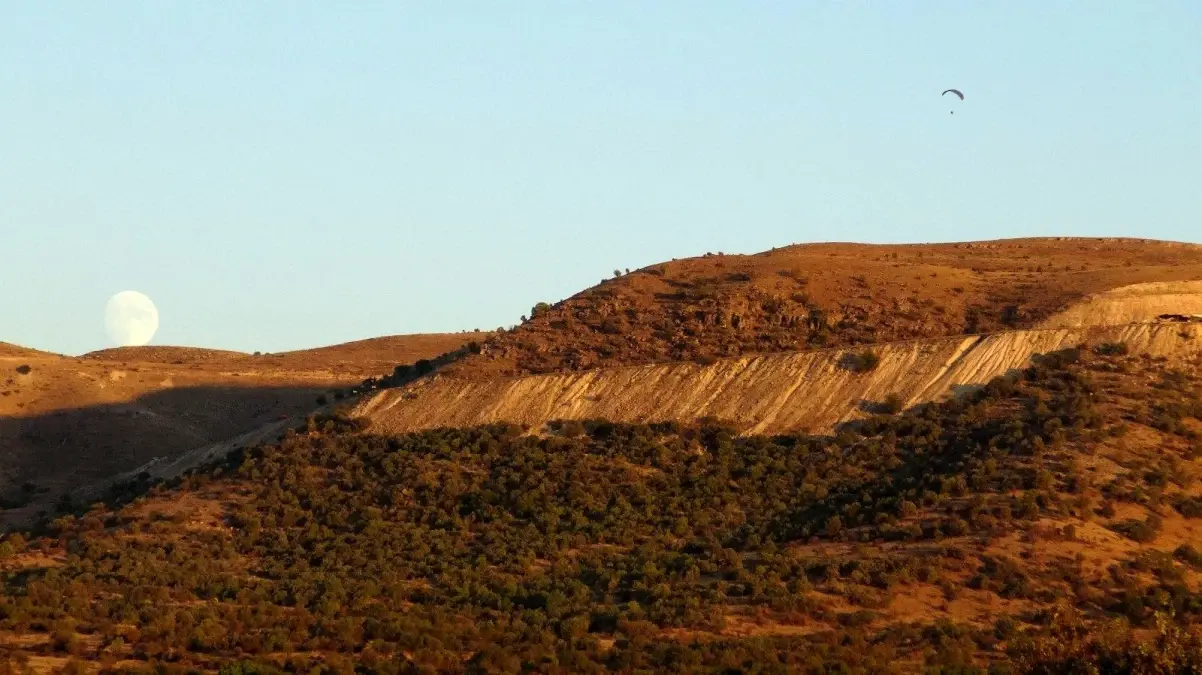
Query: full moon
130	319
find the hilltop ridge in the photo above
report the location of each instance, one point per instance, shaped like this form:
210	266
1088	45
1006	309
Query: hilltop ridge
812	296
358	358
9	350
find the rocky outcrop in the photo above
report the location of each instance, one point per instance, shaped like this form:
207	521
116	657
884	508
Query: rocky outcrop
762	394
1138	302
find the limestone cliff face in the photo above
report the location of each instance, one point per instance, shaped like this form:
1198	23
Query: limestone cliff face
761	394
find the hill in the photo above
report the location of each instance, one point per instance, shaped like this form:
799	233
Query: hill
11	351
1003	531
67	422
378	356
360	358
722	464
164	354
836	295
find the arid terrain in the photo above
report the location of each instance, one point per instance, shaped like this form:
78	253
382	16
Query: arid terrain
68	421
958	458
831	295
813	391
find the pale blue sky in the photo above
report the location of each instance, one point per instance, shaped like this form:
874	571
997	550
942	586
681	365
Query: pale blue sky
277	175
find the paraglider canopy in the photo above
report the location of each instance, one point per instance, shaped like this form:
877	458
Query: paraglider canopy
957	92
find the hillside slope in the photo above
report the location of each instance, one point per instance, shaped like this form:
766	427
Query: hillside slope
11	351
1127	304
764	394
830	295
1003	532
66	422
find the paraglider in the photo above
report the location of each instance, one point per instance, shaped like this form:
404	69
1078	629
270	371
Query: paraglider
957	92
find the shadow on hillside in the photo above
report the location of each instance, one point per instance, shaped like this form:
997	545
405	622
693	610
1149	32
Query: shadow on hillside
875	407
891	408
44	456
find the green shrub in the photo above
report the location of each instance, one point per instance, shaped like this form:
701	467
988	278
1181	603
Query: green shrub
1189	555
892	404
1005	628
1142	531
1111	349
860	362
1190	507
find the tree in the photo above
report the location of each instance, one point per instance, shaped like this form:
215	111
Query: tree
861	362
817	318
892	404
834	525
1010	315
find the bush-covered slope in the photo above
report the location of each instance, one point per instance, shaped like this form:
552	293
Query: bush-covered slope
66	422
959	535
